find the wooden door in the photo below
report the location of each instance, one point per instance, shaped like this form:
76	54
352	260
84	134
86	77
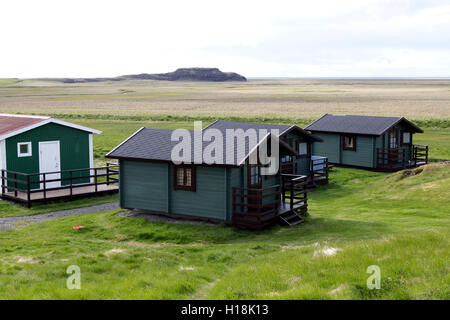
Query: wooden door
254	181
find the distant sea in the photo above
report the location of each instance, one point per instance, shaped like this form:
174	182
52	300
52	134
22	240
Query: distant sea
348	78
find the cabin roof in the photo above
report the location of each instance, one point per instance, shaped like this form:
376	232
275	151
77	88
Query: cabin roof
367	125
157	145
223	125
14	124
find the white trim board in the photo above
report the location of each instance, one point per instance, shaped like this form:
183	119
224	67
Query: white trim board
46	121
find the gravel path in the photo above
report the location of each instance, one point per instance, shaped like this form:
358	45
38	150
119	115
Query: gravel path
17	222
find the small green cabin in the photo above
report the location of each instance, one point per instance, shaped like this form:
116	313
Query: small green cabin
230	189
33	144
384	143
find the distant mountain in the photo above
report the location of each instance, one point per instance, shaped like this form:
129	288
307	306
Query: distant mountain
181	74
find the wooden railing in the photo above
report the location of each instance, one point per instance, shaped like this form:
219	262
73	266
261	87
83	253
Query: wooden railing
295	185
420	154
254	208
20	187
388	158
319	170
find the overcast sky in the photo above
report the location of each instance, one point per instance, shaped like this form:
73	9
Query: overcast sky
314	38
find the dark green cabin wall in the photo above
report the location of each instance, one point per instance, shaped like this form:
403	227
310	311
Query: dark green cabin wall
363	156
143	185
210	198
330	147
149	186
74	149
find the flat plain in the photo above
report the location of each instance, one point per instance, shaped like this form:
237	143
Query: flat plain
278	99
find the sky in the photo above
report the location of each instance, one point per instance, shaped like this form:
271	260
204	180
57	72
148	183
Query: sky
277	38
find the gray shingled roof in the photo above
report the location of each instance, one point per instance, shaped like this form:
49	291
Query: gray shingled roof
224	125
156	144
369	125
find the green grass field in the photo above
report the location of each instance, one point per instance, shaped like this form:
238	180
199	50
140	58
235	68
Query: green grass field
400	224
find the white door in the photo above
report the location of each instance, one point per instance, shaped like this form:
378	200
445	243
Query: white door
49	161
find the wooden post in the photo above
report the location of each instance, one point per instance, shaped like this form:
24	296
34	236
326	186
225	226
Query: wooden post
45	186
28	192
107	173
95	180
3	181
292	194
15	185
71	182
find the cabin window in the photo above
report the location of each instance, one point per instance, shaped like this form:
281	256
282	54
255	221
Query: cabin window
393	134
303	149
24	149
184	178
349	143
254	175
406	138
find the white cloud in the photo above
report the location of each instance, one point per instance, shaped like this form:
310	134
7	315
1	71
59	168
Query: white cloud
255	38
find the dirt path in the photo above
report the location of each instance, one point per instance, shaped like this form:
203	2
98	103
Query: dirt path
17	222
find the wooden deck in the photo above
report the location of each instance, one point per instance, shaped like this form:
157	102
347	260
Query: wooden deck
28	188
52	195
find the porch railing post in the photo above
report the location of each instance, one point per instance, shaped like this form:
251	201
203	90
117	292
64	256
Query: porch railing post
71	183
3	181
45	186
95	180
107	173
291	190
15	185
28	191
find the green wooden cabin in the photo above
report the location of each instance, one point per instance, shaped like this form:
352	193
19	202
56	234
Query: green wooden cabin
384	143
34	145
230	191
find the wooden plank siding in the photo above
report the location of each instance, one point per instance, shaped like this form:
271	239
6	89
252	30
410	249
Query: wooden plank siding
363	156
330	147
143	185
210	198
149	186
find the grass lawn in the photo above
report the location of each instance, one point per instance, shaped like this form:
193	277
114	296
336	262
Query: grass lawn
360	219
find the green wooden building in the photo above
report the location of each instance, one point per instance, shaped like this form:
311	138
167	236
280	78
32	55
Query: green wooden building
384	143
230	189
38	145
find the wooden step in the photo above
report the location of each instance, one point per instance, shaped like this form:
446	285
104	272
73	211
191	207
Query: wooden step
291	218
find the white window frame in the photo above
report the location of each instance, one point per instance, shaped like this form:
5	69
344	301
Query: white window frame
28	154
408	134
305	151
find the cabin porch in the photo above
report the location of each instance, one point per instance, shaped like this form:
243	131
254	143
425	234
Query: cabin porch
29	188
391	159
257	208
